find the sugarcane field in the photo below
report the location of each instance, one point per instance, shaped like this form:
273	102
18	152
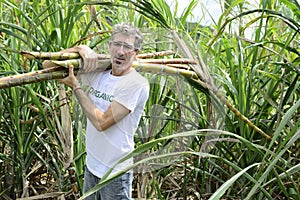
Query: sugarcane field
220	119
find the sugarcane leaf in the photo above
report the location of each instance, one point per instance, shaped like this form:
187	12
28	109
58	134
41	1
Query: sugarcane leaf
293	5
13	34
278	155
220	192
286	118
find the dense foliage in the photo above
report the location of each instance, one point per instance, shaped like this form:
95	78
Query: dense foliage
189	145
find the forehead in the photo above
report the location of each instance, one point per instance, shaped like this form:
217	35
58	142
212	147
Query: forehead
124	37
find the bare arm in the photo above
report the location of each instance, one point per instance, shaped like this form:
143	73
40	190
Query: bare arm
100	120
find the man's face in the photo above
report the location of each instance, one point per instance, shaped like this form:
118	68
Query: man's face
122	53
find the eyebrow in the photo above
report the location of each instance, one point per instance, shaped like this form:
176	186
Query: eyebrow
123	42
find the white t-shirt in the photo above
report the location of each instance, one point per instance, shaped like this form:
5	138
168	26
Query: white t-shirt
106	148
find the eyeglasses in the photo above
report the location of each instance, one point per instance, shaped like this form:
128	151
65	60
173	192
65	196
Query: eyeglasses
126	47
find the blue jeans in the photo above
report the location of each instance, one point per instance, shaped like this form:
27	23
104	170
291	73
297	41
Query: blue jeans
119	189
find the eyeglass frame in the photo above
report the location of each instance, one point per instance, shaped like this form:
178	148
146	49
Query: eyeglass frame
126	47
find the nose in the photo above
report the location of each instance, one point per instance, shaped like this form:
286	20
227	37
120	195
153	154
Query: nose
120	50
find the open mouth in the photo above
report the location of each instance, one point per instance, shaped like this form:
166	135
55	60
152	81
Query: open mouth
119	61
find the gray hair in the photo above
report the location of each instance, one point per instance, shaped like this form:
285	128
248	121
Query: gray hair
130	30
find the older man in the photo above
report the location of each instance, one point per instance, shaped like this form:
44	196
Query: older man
113	106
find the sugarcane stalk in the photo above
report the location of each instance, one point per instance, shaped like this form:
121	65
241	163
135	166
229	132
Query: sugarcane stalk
77	63
183	61
163	69
50	55
155	54
33	77
186	67
34	73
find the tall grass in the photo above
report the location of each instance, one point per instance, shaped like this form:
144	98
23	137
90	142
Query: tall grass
188	144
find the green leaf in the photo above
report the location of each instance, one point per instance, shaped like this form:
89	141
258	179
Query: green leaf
221	191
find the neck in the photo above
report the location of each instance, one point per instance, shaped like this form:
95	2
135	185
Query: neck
119	72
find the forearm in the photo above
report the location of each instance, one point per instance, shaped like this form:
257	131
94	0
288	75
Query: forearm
90	110
100	120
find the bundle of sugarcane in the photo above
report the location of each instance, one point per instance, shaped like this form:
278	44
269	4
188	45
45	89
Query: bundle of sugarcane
57	64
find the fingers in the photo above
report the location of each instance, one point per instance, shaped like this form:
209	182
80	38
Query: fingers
70	80
90	61
71	70
70	50
90	64
90	58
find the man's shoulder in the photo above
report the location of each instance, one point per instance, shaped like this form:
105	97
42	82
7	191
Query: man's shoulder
133	82
137	77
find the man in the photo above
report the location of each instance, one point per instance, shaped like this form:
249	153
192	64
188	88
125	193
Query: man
113	106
